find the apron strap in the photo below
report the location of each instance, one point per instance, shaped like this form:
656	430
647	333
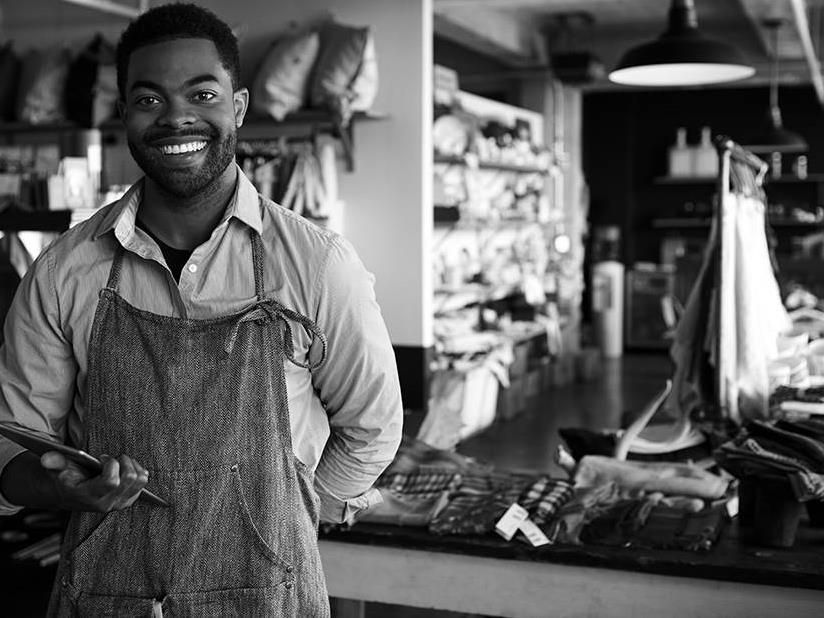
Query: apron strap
114	273
271	309
257	263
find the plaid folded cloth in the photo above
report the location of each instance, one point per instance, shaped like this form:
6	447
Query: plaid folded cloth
421	484
544	498
474	513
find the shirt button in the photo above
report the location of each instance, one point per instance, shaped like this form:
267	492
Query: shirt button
289	569
288	585
192	268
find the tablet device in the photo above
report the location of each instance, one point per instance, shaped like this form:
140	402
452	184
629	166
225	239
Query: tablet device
39	445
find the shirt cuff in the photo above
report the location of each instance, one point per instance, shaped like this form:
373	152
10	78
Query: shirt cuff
339	511
8	451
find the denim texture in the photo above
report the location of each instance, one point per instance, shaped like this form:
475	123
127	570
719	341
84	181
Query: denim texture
202	405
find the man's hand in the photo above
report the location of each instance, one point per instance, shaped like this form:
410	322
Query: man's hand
117	487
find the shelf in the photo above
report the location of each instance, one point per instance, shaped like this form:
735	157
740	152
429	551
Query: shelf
675	223
451	216
489	165
35	221
300	124
452	299
711	180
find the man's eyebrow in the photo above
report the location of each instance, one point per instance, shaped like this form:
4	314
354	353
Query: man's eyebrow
197	79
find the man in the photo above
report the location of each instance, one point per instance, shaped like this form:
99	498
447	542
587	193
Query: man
210	342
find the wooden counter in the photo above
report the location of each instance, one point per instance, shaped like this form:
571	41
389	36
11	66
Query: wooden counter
486	575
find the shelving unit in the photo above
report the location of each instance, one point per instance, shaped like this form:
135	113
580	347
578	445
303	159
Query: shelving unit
490	165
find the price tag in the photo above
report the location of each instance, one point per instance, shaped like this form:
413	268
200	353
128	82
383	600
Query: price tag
533	533
508	524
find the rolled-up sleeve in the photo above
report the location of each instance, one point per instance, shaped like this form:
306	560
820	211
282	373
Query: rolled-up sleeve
358	386
37	366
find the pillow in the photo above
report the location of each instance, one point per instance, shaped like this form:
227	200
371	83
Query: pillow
42	84
365	86
346	53
281	83
91	98
9	79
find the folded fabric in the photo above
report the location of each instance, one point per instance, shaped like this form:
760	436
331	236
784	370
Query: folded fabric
474	513
643	523
810	450
668	478
406	509
746	457
544	497
585	505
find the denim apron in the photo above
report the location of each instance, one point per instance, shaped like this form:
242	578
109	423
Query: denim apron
202	405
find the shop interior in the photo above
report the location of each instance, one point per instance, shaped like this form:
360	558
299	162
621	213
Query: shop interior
602	272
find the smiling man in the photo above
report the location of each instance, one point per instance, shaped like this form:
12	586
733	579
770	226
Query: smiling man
211	347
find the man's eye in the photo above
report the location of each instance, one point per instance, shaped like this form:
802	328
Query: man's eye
204	95
147	101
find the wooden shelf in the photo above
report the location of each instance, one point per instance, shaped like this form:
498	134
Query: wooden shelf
300	124
451	216
35	220
675	223
490	165
711	180
450	299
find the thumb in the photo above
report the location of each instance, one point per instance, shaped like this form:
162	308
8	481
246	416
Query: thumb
53	460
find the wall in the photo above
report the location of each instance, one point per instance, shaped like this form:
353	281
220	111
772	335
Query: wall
387	196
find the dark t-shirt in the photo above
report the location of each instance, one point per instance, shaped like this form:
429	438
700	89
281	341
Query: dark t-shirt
175	258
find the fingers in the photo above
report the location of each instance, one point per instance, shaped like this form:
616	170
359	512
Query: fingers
116	487
52	460
133	478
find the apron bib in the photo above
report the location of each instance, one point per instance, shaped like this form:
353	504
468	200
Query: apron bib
201	404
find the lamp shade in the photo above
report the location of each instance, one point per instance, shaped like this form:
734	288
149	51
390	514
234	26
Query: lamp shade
776	138
681	56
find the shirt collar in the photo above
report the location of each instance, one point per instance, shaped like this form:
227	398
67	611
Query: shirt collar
244	206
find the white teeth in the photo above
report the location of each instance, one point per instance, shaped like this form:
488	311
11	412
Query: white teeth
183	148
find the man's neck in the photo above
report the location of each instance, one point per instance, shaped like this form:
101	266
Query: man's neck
186	223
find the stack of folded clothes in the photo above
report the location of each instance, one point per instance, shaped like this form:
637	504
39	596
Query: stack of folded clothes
642	504
452	494
788	448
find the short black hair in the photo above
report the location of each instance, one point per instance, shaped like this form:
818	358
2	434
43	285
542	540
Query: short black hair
177	21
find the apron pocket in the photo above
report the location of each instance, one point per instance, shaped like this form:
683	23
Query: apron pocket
233	603
94	605
249	514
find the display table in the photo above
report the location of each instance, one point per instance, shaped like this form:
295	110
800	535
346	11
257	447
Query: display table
407	566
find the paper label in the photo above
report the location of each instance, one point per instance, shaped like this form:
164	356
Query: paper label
533	533
732	506
508	524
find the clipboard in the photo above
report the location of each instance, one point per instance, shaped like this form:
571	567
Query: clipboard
38	445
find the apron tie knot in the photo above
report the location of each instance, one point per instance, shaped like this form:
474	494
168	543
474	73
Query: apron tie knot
272	310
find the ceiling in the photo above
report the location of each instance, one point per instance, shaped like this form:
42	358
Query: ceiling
521	33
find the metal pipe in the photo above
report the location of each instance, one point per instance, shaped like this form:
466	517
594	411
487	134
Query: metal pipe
802	25
107	6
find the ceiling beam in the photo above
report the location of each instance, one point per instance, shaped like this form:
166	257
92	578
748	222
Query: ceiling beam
502	35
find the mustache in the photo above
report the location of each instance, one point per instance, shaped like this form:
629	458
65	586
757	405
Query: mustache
157	135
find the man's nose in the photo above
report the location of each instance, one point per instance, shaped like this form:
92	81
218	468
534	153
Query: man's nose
176	114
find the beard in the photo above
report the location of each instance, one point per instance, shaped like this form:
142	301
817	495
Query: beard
190	181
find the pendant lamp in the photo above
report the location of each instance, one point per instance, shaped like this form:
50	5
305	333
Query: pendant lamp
776	138
681	56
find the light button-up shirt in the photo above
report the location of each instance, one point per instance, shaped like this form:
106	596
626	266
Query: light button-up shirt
345	416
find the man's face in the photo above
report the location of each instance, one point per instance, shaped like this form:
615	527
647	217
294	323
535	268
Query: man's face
181	114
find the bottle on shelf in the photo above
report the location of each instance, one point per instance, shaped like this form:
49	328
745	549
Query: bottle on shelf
705	157
680	157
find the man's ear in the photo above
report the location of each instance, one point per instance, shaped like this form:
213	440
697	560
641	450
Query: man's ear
241	103
121	110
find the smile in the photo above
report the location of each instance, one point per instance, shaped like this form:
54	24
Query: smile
178	149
